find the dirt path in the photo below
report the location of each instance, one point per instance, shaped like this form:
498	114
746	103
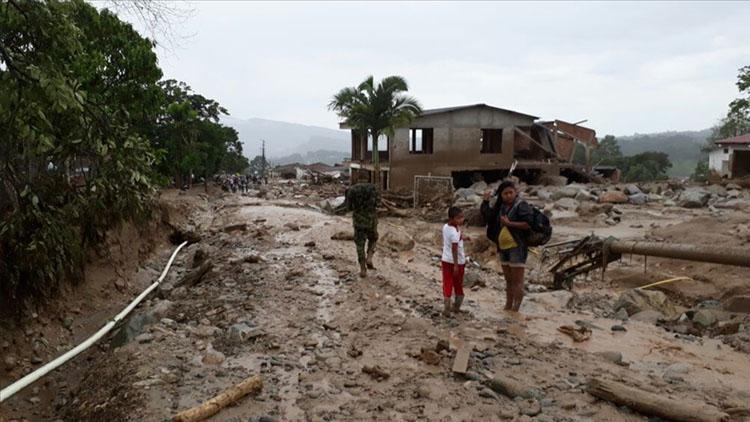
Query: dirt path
284	300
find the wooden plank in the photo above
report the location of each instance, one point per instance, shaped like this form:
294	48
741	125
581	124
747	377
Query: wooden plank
461	361
654	404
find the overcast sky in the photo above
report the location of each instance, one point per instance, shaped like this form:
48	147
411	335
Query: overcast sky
626	67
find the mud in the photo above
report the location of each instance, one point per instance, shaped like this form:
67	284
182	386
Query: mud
311	326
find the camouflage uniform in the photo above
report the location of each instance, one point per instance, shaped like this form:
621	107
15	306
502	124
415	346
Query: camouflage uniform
363	200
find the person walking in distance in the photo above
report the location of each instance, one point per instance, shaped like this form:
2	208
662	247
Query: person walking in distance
363	199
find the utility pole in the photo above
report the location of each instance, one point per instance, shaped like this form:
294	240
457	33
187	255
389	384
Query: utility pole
263	162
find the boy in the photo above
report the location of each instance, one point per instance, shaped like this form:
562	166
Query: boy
453	260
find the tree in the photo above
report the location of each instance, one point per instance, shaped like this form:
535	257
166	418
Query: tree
608	152
701	172
737	120
258	165
376	109
77	92
645	166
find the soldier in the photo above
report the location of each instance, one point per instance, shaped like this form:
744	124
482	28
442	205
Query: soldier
363	199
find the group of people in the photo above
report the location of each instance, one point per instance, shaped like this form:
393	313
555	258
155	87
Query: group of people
238	183
508	222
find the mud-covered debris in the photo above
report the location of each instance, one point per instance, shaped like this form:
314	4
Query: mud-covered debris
429	357
637	300
212	357
529	407
618	327
442	345
199	257
398	241
509	387
354	352
310	244
577	333
292	226
343	235
739	304
375	372
235	227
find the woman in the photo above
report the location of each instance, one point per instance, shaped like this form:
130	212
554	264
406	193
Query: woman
506	222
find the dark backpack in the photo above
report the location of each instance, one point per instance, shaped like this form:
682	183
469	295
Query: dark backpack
541	229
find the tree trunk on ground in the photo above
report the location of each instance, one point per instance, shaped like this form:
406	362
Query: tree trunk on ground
251	385
652	404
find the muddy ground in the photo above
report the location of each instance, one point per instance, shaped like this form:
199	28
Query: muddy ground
283	300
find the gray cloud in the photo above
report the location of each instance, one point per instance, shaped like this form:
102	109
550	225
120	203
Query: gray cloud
627	67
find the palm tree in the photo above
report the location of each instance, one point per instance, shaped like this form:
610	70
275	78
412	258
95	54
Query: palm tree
376	110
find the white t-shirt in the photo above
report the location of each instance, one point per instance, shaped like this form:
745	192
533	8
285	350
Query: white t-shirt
451	235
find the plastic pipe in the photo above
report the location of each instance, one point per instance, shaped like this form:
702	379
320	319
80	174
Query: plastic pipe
17	386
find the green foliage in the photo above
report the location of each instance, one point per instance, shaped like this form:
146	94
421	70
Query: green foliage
701	172
193	141
645	166
607	153
376	109
737	120
77	90
258	164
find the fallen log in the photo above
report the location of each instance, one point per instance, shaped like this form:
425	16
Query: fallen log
653	404
251	385
193	277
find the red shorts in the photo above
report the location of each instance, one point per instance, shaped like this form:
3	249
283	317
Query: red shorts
451	284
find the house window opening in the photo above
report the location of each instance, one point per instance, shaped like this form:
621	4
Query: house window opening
420	141
491	141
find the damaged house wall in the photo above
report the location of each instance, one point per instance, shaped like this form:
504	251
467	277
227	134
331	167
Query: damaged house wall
456	143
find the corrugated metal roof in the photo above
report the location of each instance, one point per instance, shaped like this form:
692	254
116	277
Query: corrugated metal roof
737	140
464	107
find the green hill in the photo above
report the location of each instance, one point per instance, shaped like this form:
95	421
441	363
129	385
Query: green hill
683	148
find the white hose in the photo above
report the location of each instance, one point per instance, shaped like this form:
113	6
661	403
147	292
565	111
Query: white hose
17	386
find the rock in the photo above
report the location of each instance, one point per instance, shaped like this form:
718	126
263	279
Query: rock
132	328
613	197
479	187
9	362
144	338
35	400
705	318
266	418
398	241
238	333
464	194
649	315
332	203
544	195
549	180
717	190
162	309
310	244
584	195
733	204
734	194
611	356
587	208
442	345
67	323
487	393
622	314
638	199
670	203
36	360
530	407
709	304
632	190
212	357
611	221
120	285
619	328
199	257
693	198
675	371
637	300
565	192
733	186
566	203
292	226
738	304
430	357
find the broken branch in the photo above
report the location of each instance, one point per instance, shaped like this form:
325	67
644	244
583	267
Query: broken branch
250	385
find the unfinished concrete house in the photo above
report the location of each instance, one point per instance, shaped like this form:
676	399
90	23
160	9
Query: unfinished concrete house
731	157
466	143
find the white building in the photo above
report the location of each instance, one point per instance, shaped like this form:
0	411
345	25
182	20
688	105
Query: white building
731	157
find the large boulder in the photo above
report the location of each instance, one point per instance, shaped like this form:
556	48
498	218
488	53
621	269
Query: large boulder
632	189
734	204
638	199
566	204
638	300
548	180
479	187
613	197
398	241
693	198
544	195
331	204
565	192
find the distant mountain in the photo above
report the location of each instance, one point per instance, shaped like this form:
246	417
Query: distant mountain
310	157
284	139
683	148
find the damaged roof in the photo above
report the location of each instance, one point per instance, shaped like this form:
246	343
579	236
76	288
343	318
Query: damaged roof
737	140
465	107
